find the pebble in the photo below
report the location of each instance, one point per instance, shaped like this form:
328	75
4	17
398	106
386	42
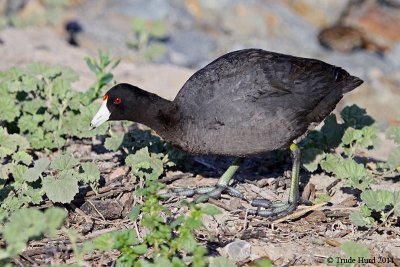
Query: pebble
190	48
238	250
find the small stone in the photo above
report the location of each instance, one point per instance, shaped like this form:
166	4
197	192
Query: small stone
238	250
394	253
349	202
316	216
191	49
258	251
107	209
118	172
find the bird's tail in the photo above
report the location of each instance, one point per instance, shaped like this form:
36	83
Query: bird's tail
349	82
353	83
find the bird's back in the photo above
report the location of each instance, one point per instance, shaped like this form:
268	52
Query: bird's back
251	101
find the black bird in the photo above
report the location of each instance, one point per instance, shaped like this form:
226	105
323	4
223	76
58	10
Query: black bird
243	103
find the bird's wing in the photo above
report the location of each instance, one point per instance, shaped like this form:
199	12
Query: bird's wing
253	80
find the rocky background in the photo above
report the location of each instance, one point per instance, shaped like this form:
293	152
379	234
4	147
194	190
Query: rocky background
162	42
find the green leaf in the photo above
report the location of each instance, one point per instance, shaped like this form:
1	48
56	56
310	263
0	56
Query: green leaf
91	173
396	203
25	224
262	263
5	170
36	69
369	137
363	217
64	162
356	117
353	173
394	134
210	210
114	142
143	160
351	135
222	262
354	250
140	249
125	238
138	25
23	157
62	188
19	171
35	196
155	51
330	163
158	30
33	105
104	80
311	158
104	242
78	125
377	200
91	63
187	242
54	218
60	88
34	173
10	143
5	151
349	168
135	212
394	159
22	142
29	123
359	220
8	109
365	211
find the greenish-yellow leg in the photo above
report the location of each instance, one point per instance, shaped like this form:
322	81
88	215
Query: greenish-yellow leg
211	191
270	210
280	209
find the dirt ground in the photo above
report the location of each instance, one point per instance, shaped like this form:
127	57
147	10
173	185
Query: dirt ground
308	239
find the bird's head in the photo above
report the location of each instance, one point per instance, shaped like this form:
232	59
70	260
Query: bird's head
114	105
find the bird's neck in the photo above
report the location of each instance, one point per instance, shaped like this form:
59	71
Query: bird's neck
155	112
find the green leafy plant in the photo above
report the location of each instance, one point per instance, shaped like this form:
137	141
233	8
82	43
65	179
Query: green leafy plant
25	225
40	105
57	179
169	240
102	69
379	204
131	141
394	156
335	146
147	38
48	14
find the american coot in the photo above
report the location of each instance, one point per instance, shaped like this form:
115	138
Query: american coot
243	103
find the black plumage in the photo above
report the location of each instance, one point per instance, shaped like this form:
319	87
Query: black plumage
245	102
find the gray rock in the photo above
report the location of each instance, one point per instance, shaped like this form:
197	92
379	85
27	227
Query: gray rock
238	250
144	9
191	48
10	7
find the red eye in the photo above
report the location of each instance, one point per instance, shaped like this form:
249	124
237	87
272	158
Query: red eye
105	97
117	101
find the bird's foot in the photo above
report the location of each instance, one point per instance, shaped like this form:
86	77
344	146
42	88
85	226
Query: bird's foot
204	193
271	210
